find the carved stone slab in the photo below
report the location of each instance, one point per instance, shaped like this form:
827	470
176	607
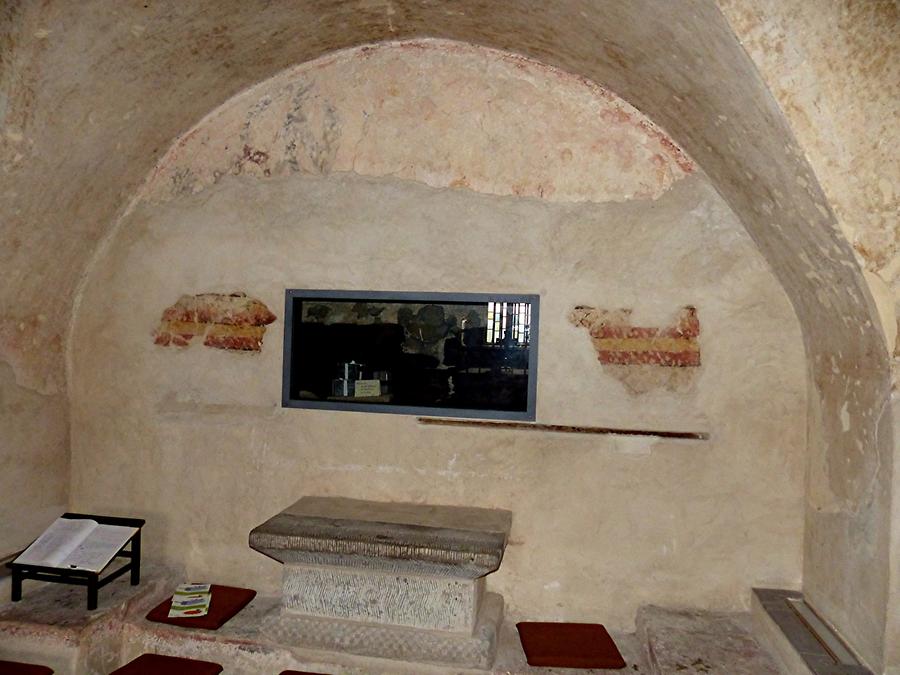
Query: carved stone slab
417	601
475	650
419	538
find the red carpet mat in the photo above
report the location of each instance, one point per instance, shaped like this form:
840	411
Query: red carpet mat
225	603
16	668
154	664
569	645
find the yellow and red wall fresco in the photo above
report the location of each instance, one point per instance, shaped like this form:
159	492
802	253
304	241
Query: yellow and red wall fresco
226	321
617	342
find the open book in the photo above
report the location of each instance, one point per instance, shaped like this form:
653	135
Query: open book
76	543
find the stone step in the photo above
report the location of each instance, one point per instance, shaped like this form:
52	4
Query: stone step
799	649
692	642
51	625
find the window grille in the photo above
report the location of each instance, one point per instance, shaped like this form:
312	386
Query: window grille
508	323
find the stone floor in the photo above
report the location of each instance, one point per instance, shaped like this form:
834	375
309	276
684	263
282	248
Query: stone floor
52	625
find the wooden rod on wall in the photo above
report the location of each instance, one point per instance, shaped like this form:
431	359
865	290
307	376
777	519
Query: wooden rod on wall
562	428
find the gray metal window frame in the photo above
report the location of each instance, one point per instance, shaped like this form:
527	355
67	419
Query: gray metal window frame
292	294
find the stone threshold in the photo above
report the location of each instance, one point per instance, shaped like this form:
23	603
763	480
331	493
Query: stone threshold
803	646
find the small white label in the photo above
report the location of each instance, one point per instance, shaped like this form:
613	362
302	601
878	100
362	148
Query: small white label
367	388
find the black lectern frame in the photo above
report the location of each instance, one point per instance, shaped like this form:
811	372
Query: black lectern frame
92	580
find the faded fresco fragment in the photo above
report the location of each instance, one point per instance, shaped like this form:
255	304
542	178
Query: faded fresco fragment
234	322
633	354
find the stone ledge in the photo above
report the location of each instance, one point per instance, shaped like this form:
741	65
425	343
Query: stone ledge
51	624
454	540
239	645
789	639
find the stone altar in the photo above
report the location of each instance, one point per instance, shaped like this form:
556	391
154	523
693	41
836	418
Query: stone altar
402	581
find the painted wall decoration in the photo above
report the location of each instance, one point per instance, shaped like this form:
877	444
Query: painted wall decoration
232	321
619	343
407	114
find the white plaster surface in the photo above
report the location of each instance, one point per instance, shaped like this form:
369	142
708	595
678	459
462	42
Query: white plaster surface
33	465
195	440
834	68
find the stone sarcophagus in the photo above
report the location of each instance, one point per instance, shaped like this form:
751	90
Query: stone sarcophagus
402	581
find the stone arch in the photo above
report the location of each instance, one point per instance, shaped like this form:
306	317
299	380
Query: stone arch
242	197
704	92
585	144
788	217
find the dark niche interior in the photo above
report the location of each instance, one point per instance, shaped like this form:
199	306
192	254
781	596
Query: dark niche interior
465	355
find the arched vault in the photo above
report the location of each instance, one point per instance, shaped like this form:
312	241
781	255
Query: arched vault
97	91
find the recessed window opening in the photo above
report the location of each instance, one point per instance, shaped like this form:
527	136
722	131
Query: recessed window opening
459	355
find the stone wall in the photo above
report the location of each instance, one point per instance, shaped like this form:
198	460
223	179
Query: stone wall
834	69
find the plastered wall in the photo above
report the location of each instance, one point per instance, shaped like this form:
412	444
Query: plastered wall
33	461
87	107
835	70
34	423
442	113
602	525
195	441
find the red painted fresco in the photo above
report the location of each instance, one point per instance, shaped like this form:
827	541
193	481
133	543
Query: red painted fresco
617	342
226	321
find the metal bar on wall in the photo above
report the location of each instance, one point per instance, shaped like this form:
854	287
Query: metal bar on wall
563	428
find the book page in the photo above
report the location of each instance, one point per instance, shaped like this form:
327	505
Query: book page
100	546
57	542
